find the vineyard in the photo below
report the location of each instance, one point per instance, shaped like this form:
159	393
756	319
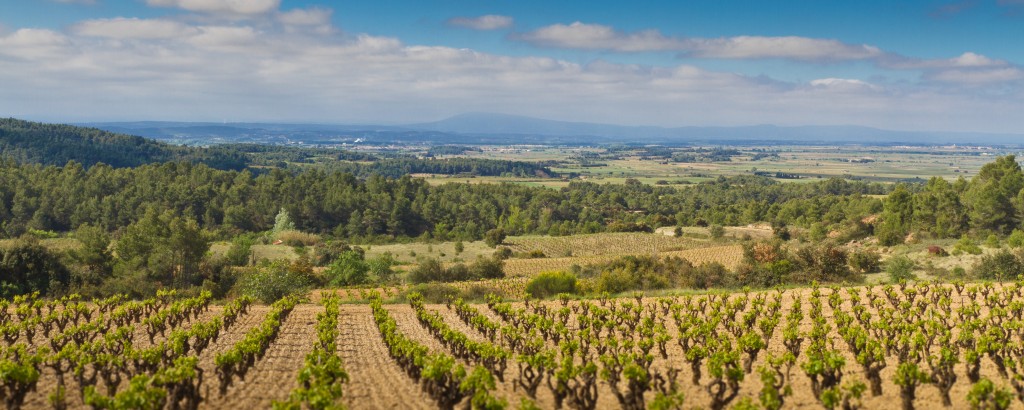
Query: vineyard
729	256
917	346
600	244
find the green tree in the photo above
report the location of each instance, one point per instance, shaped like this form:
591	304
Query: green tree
94	253
897	217
348	269
283	221
992	194
27	266
900	268
495	237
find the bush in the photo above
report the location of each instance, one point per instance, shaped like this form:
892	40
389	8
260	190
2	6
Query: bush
348	269
900	268
548	284
709	275
240	251
434	292
495	237
502	253
28	267
865	261
992	241
1002	265
716	231
271	281
380	267
1016	239
966	245
488	268
326	253
826	262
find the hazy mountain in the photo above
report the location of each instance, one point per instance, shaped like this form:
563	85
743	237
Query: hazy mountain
502	124
490	128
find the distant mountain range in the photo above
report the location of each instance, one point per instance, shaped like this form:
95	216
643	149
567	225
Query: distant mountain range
490	128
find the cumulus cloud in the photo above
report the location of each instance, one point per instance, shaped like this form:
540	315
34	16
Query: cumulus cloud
847	84
242	7
315	16
132	28
600	37
789	47
487	22
978	76
249	70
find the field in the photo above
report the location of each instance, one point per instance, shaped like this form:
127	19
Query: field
872	347
811	163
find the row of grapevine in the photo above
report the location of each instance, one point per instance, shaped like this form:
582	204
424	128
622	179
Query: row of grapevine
322	375
242	356
440	376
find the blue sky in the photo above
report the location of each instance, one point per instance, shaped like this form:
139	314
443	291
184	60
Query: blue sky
909	65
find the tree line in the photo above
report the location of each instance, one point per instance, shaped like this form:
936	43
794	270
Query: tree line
339	204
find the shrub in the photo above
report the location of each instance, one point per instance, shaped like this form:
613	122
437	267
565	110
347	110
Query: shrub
271	281
716	231
240	251
992	241
495	237
28	267
503	253
535	254
865	261
428	270
900	268
1002	265
348	269
548	284
380	267
434	292
1016	239
326	253
966	245
826	262
488	268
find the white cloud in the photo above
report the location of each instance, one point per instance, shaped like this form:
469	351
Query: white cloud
260	71
306	17
488	22
220	6
132	28
843	84
600	37
789	47
979	76
32	44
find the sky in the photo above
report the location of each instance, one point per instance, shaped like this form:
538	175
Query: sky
901	65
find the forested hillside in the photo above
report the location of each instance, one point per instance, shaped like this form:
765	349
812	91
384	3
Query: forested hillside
56	144
338	203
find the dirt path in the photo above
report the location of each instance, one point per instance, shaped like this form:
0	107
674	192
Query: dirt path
273	377
376	381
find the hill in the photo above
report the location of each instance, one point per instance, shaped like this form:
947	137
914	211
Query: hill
56	144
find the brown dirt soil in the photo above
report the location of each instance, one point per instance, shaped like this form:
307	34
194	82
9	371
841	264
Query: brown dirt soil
376	381
274	376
